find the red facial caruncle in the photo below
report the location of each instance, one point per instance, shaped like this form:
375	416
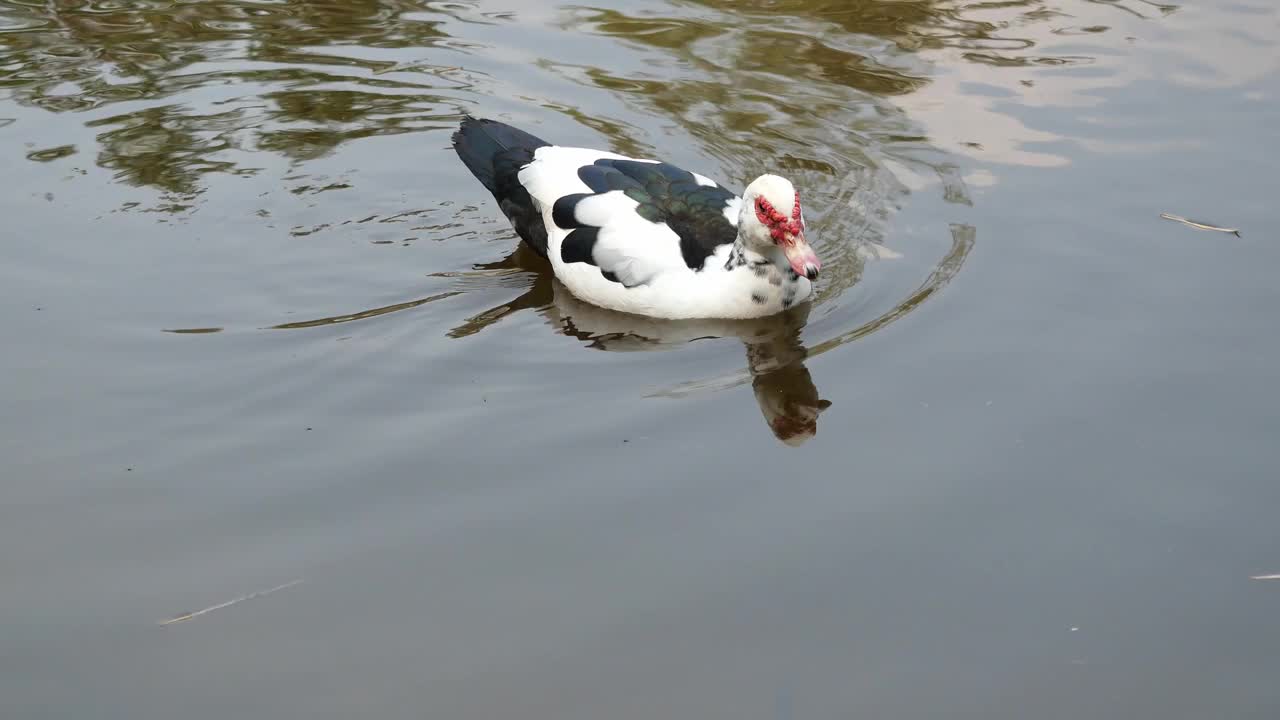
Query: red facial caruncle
788	235
779	225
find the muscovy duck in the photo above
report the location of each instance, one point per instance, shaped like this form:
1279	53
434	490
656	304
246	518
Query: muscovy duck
643	236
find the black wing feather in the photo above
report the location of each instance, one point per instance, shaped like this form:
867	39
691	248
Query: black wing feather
562	212
671	195
578	245
495	152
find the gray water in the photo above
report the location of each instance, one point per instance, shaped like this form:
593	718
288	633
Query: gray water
1019	459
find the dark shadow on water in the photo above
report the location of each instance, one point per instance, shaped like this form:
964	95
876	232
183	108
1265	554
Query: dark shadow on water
783	387
365	314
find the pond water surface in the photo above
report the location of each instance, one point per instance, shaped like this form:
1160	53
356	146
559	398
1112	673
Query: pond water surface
1018	460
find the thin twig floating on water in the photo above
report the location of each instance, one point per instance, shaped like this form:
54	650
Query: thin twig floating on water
1199	225
229	603
1265	577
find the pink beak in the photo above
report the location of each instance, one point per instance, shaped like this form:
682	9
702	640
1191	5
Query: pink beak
802	258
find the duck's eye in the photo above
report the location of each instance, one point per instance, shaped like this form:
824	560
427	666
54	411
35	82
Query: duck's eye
765	211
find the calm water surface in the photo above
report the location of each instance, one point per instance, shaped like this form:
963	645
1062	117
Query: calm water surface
1019	460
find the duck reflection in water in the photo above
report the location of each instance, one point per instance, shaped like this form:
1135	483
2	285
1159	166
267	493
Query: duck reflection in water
783	386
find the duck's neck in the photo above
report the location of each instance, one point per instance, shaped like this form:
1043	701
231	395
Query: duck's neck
743	254
739	255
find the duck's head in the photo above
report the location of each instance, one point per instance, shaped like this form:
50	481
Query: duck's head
771	218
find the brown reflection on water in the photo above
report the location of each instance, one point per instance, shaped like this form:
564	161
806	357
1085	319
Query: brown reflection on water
281	67
813	81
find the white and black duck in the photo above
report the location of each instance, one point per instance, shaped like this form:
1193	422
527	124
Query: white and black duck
644	236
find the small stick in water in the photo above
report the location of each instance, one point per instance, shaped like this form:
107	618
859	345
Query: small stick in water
1199	225
229	603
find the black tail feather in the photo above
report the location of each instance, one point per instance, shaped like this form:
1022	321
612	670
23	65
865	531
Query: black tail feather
495	152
